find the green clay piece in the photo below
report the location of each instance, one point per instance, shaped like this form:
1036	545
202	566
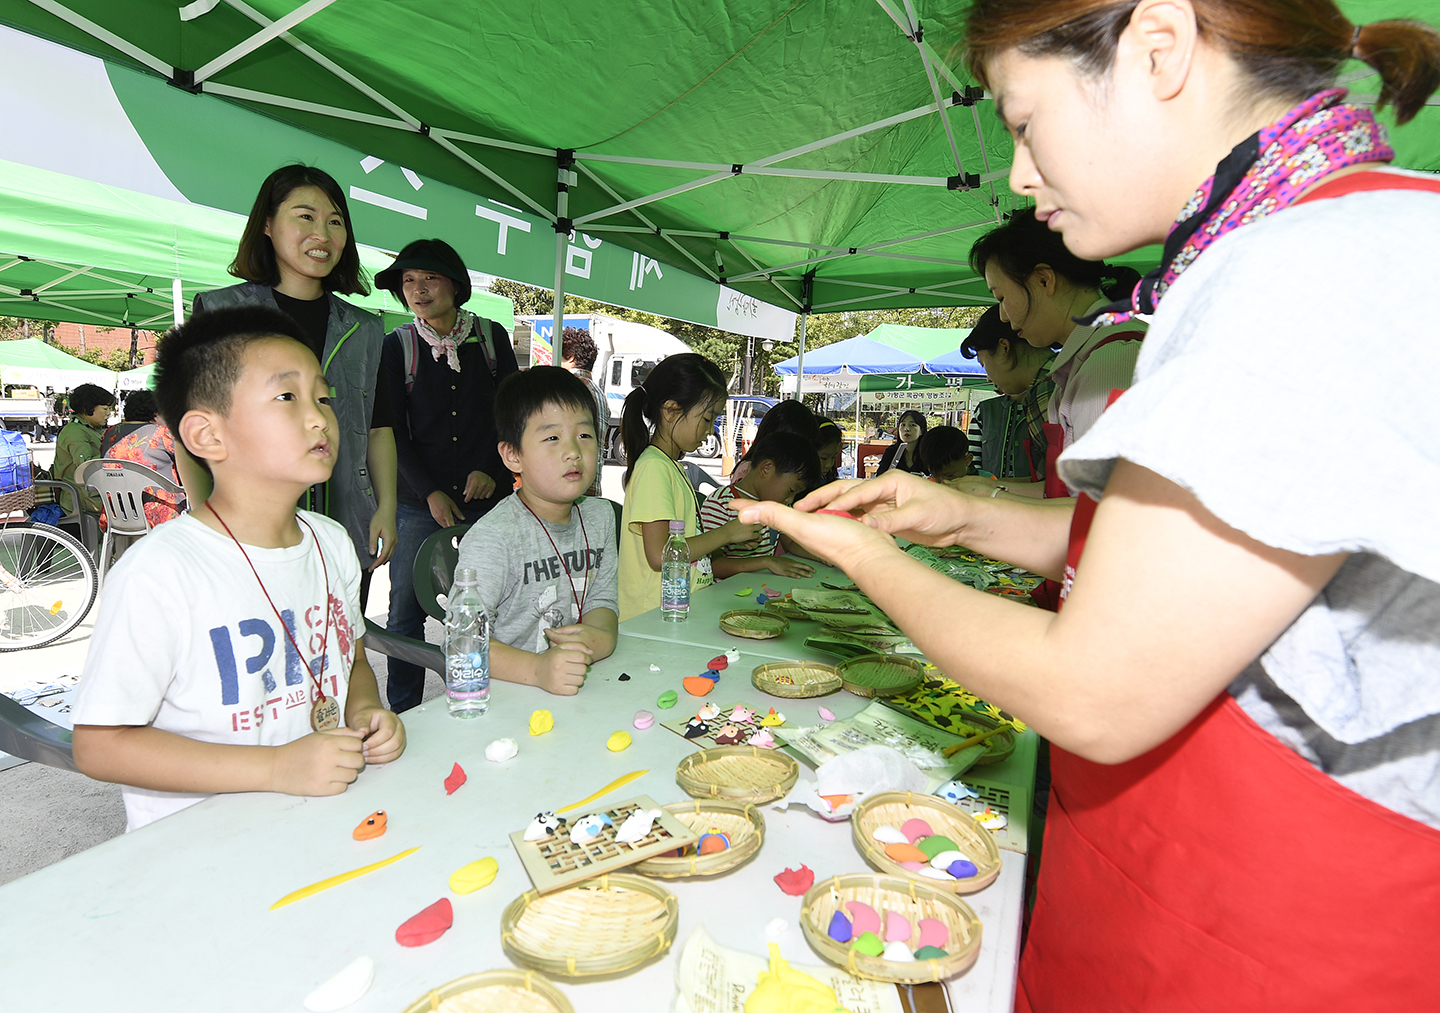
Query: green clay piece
869	944
930	953
745	593
667	699
932	846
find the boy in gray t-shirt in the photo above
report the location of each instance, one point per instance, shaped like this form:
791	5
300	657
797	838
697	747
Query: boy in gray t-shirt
546	559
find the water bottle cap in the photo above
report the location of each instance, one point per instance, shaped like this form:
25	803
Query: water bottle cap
465	576
677	527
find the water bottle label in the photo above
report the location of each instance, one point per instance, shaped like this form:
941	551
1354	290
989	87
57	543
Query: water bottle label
455	694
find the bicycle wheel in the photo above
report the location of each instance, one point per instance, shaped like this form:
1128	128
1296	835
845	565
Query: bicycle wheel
47	584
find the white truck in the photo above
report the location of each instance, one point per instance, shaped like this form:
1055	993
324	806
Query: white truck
625	354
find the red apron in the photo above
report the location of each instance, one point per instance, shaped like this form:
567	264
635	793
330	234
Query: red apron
1221	871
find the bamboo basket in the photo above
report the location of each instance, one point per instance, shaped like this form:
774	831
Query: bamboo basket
507	991
739	821
753	624
602	926
893	808
907	897
740	773
998	748
796	680
881	674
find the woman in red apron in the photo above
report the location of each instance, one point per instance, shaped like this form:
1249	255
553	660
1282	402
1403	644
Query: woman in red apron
1240	690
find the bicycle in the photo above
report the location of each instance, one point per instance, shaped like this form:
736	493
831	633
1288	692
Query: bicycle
48	582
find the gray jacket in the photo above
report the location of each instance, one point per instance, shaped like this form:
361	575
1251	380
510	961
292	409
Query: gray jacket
351	362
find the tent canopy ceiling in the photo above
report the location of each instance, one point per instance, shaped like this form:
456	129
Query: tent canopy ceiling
761	142
31	361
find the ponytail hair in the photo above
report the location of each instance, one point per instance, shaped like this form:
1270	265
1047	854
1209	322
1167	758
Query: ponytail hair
1024	243
688	379
1290	49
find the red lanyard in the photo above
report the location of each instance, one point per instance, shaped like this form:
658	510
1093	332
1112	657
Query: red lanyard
324	570
579	598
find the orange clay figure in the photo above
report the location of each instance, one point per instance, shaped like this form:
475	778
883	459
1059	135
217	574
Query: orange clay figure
371	826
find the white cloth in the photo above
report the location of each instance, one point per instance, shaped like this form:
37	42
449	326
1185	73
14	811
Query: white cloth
1084	375
1247	388
186	642
448	344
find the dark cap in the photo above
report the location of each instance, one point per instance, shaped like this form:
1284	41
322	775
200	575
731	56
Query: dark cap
426	255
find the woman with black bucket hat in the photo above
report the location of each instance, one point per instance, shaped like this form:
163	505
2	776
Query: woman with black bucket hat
440	373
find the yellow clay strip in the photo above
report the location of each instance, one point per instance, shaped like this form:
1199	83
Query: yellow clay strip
325	884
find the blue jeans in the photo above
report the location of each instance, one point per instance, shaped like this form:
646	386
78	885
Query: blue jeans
406	682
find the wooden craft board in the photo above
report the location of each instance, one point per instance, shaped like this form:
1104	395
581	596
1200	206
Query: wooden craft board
707	741
554	862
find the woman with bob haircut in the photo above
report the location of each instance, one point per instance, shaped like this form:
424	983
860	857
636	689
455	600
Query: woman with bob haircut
1231	752
296	253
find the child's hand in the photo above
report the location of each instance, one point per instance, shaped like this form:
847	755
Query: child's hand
595	640
740	533
384	735
561	669
322	763
784	566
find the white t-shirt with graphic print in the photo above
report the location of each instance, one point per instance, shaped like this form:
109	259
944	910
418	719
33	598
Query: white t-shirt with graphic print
186	642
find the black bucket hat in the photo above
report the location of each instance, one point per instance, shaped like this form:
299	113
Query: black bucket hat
426	255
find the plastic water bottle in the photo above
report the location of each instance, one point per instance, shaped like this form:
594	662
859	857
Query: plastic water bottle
675	576
467	648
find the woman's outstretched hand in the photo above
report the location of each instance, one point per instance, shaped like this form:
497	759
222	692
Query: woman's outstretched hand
898	504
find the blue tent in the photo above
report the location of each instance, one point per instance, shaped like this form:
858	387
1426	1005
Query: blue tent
954	364
860	354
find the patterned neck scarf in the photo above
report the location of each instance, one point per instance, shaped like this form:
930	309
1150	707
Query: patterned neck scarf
448	344
1264	173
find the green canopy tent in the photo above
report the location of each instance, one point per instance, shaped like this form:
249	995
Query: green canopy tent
31	361
141	378
816	156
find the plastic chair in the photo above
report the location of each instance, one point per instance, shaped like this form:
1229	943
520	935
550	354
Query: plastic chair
121	486
86	526
435	568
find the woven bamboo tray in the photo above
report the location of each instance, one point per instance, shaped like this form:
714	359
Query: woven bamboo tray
907	897
893	808
602	926
753	624
739	821
796	680
998	748
507	991
881	674
742	773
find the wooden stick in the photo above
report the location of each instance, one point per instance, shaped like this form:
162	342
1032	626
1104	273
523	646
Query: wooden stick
974	740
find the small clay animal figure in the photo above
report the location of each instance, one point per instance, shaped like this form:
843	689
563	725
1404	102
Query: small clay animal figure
637	826
728	735
708	712
543	825
695	727
586	830
742	715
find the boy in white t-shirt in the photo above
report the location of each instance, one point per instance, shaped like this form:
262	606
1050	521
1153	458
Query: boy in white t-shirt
227	654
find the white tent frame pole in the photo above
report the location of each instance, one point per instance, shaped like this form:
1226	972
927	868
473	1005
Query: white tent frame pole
778	268
562	243
653	228
873	246
38	289
659	163
177	296
800	361
917	36
495	178
259	39
751	261
109	38
265	98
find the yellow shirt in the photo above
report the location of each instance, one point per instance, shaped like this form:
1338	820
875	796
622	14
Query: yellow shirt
659	491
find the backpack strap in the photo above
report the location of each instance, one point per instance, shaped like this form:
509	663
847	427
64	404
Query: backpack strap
410	348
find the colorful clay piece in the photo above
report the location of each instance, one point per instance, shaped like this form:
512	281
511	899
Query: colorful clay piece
930	953
742	715
956	792
427	926
456	779
637	826
654	668
708	712
719	663
541	722
864	917
915	829
762	738
772	719
745	593
344	877
898	952
776	927
889	835
839	513
667	699
501	750
991	820
897	926
621	780
761	599
469	878
944	859
543	825
911	866
839	928
795	881
694	728
826	714
624	676
618	741
933	933
712	842
710	674
586	830
370	827
930	873
935	844
905	853
869	944
962	869
344	988
729	735
644	719
697	685
732	655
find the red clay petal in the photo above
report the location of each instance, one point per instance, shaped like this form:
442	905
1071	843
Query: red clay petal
456	779
428	926
719	663
371	826
795	881
839	513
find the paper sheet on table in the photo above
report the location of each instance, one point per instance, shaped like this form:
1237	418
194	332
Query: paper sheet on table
710	978
878	725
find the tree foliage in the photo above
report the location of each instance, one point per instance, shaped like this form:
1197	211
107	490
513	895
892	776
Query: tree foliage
728	350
